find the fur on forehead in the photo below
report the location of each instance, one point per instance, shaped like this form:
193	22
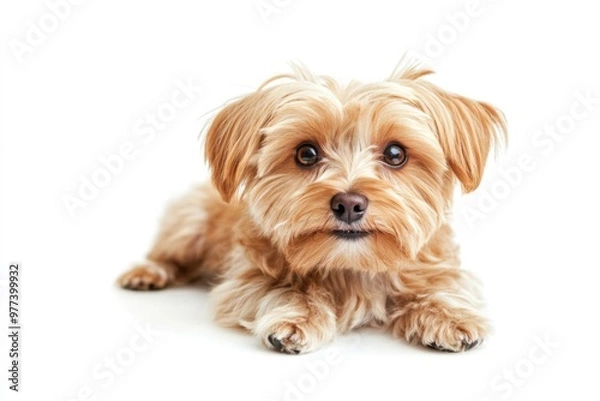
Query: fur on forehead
344	119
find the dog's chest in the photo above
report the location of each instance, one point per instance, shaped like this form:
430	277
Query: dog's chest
360	299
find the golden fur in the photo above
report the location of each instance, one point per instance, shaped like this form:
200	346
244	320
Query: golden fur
262	232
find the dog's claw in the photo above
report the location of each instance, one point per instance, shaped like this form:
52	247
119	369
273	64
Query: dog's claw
276	343
280	347
466	345
438	347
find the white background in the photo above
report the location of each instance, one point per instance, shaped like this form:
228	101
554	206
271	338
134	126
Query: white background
78	94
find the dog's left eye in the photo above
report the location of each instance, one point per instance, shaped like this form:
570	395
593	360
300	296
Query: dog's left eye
395	155
307	155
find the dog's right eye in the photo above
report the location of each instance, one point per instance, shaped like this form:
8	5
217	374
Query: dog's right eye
307	155
395	155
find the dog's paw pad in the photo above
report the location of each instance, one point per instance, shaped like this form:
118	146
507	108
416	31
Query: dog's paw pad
144	277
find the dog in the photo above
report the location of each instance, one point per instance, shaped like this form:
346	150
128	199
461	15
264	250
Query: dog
328	210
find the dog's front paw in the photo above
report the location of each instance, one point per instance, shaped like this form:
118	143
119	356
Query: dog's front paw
290	338
148	276
445	329
454	334
294	338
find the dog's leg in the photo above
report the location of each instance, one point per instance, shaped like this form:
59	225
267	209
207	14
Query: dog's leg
289	318
191	244
439	308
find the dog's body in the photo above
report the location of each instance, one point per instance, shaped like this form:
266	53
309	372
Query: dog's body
328	212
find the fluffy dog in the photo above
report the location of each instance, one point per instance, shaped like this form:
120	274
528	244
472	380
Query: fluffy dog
328	211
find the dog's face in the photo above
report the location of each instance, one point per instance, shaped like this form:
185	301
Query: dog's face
356	177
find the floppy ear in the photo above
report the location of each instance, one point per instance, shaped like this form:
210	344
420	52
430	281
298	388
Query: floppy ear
467	130
233	139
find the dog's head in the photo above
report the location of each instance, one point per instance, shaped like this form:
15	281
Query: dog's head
359	176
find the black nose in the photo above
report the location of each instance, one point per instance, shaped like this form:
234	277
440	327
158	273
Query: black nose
348	207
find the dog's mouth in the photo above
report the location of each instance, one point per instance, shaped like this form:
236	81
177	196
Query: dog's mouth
350	234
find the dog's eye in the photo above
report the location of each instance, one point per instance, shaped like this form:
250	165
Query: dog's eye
307	155
395	155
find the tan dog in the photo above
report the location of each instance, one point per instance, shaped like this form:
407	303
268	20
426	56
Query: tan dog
330	212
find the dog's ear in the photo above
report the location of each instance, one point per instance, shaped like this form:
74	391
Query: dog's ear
233	139
467	130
